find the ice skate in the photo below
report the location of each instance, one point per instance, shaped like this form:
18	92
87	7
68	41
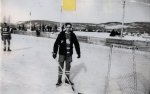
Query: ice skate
9	49
4	49
69	82
59	83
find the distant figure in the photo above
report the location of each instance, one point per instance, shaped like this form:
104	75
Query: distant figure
64	43
38	32
55	28
62	28
6	36
114	33
43	27
49	28
40	27
23	27
19	27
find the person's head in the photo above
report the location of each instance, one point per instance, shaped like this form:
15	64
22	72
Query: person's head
68	26
5	24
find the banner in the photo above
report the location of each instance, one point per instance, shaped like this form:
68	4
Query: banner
69	5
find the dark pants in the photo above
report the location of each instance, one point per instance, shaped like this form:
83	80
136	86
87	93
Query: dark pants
6	39
67	61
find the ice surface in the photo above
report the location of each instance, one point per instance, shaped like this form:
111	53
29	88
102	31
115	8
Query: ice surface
30	69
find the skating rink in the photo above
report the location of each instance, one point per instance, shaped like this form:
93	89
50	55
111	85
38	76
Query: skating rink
30	69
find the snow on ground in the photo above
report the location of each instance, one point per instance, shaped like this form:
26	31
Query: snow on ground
106	35
92	34
30	69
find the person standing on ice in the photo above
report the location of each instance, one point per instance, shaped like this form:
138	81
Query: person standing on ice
6	36
64	43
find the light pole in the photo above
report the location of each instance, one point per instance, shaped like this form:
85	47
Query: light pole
30	21
61	13
123	13
123	16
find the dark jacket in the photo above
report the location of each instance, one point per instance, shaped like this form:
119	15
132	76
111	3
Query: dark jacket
6	34
5	31
61	44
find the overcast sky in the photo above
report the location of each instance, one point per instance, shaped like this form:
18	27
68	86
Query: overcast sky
90	11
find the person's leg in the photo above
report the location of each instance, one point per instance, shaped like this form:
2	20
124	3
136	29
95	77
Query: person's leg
67	71
4	40
8	40
60	70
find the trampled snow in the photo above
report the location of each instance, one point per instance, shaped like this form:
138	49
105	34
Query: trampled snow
30	69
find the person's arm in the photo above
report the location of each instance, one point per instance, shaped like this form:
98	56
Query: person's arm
1	31
9	32
56	45
77	46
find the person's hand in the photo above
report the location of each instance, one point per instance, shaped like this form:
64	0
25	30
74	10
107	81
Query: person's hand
78	56
10	37
54	55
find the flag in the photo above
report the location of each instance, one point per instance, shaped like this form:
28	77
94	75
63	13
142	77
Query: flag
69	5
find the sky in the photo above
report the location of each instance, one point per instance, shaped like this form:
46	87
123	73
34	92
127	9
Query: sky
87	11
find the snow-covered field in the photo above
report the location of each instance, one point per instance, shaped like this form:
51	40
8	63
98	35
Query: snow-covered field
30	69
